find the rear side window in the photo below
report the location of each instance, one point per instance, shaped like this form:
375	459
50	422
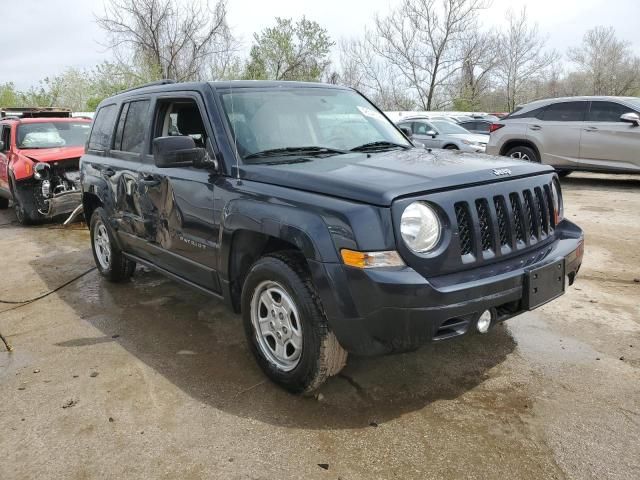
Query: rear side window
536	113
100	138
607	112
134	127
565	112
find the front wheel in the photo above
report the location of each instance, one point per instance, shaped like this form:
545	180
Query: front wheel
4	203
285	326
523	153
110	261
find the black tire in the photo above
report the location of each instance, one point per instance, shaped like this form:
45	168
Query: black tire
321	354
526	154
4	203
451	147
117	268
563	173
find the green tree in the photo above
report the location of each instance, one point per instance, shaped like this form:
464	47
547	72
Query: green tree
290	51
9	96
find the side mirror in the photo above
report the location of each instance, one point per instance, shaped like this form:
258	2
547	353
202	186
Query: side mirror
179	151
407	132
631	117
432	133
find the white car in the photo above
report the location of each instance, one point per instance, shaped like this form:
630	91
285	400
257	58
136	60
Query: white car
444	134
573	133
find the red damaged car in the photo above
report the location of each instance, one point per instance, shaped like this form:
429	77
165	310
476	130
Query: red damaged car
40	153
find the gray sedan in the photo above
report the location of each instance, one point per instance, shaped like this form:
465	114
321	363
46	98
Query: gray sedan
443	134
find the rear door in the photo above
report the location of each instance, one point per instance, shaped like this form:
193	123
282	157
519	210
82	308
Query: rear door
181	226
557	132
608	142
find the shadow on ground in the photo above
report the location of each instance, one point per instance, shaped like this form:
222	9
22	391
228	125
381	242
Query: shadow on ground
195	343
605	183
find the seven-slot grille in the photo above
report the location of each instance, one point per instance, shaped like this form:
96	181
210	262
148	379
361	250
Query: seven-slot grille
512	221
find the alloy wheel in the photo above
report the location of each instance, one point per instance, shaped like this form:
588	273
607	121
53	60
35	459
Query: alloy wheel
277	325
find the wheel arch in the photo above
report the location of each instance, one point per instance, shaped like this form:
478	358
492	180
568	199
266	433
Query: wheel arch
520	143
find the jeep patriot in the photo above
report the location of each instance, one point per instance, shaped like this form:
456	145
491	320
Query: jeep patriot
306	210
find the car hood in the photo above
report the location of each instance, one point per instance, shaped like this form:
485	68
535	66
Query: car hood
52	154
471	137
380	178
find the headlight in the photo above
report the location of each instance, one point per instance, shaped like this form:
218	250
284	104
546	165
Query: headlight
558	208
41	170
420	227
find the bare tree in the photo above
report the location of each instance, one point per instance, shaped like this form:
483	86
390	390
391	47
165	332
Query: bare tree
419	40
479	59
523	58
608	63
176	40
363	70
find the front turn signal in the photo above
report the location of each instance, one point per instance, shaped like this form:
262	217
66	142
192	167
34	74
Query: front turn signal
357	259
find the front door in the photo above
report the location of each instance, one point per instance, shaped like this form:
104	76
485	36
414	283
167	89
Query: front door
5	136
182	223
608	142
420	132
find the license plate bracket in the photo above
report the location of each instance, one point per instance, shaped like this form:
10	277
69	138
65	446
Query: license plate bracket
544	284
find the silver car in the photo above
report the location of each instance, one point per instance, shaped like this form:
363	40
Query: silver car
444	134
573	133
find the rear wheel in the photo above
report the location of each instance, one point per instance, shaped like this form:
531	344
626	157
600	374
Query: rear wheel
110	261
4	203
285	326
523	153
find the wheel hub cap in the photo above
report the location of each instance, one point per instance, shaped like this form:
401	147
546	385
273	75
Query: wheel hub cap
102	245
277	325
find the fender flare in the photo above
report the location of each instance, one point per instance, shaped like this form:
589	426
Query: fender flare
305	230
22	168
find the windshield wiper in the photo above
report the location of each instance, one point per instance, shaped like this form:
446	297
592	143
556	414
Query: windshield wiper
280	152
380	145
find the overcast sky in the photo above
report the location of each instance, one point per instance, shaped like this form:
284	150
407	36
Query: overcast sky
43	37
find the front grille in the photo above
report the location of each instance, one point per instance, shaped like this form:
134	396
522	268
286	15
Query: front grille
516	220
485	224
464	229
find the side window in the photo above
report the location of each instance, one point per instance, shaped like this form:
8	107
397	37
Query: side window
135	127
6	137
421	128
607	112
565	112
537	113
180	118
483	127
406	125
102	130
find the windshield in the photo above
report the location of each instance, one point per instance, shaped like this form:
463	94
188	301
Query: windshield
448	128
53	134
288	118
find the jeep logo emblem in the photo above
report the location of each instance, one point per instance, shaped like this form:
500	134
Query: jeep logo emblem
501	171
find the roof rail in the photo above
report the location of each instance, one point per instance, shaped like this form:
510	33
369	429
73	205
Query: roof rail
165	81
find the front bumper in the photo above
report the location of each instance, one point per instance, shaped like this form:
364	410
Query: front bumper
381	311
64	203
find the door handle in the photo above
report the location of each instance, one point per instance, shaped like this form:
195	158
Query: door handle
535	127
591	129
108	172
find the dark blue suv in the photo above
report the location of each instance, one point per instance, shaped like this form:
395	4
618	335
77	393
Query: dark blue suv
307	211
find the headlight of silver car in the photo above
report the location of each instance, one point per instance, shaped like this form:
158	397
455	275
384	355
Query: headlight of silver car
420	227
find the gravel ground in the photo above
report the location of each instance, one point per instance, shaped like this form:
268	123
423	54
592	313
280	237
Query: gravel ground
153	380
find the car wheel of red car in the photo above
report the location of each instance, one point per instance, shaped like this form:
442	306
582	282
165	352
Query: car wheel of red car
23	213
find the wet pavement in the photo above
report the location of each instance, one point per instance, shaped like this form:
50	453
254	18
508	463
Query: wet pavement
150	379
